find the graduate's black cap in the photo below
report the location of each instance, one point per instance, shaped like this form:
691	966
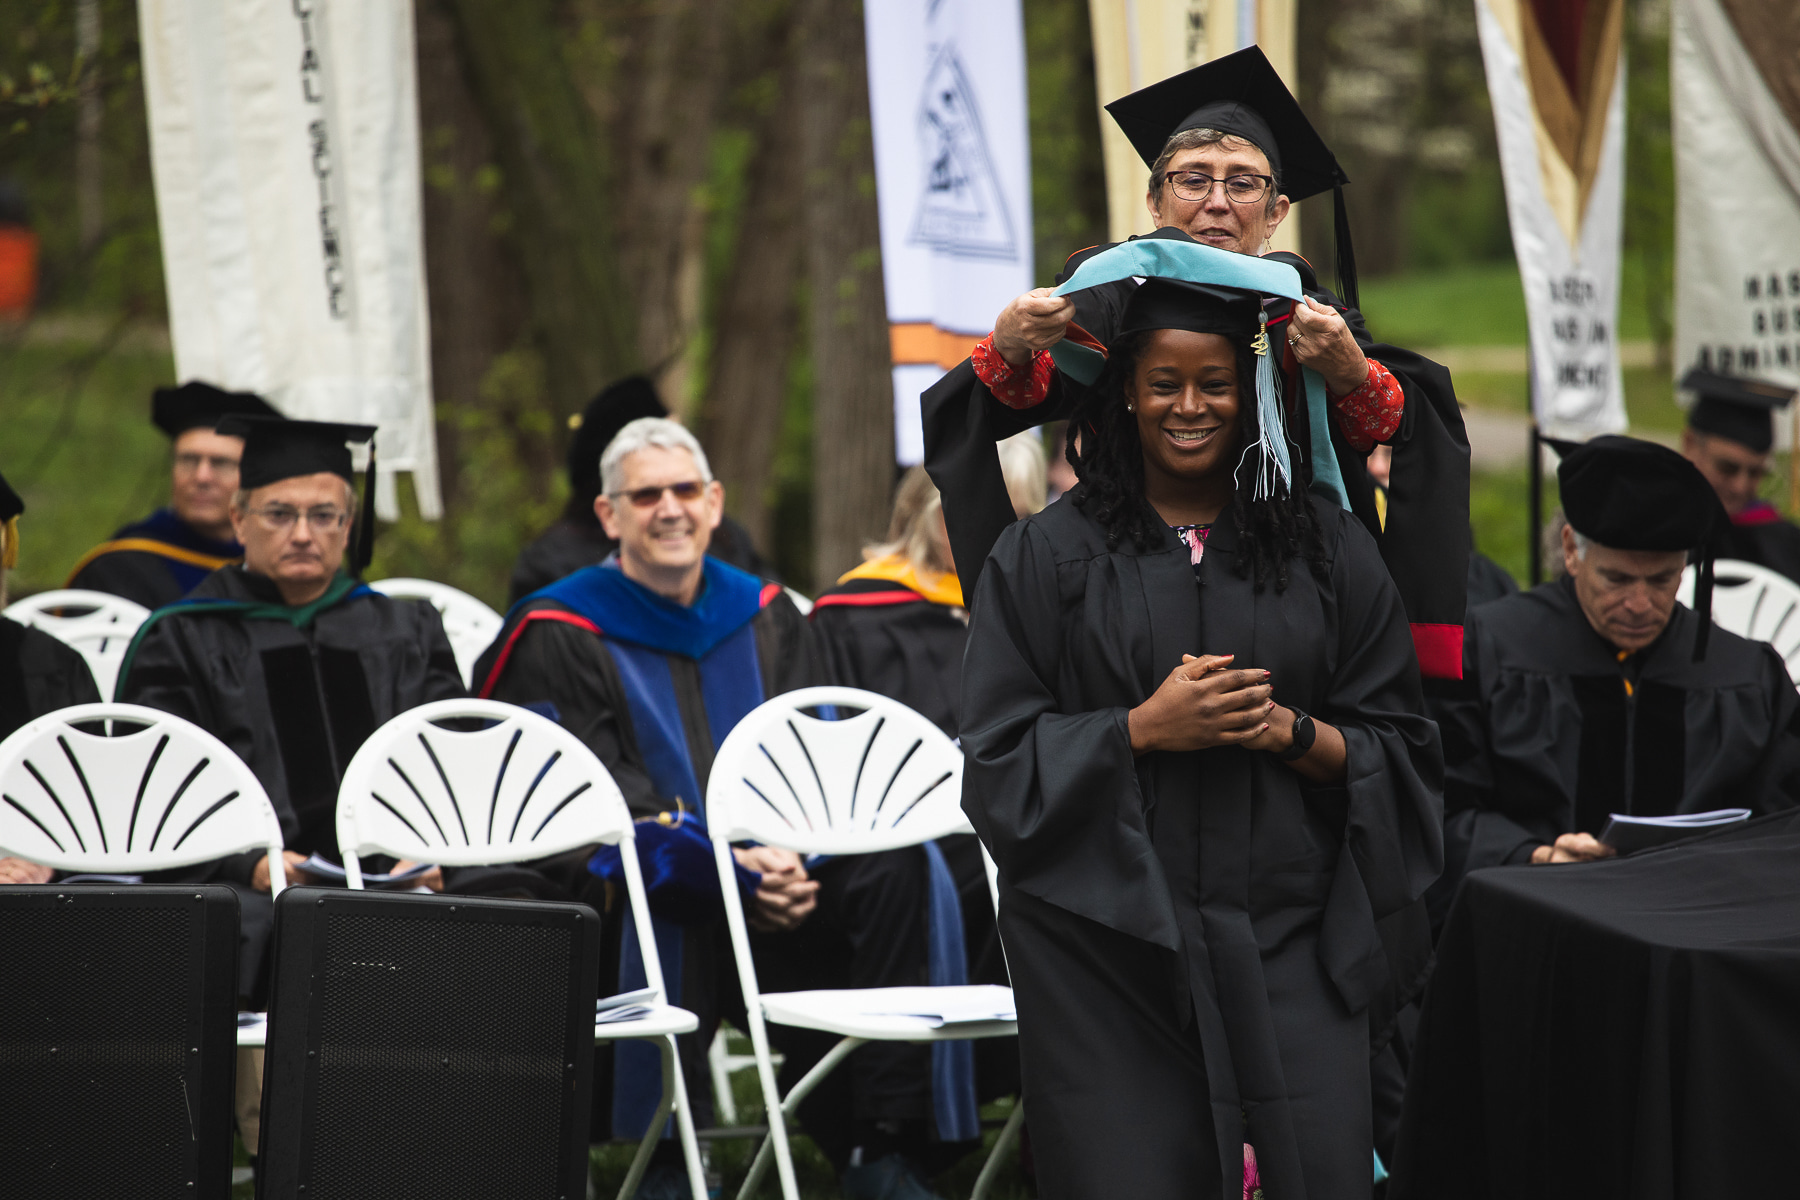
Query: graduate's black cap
1243	95
1742	410
1178	304
11	505
277	449
614	407
1636	495
199	405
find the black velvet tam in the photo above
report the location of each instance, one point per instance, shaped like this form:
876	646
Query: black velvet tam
1741	410
1635	495
200	405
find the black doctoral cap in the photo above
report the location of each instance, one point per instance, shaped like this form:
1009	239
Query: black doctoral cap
1241	94
1635	495
277	449
614	407
10	503
1742	410
196	404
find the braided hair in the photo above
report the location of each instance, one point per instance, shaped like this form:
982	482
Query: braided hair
1109	461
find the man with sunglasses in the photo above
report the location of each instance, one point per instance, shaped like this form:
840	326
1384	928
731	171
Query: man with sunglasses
651	658
162	558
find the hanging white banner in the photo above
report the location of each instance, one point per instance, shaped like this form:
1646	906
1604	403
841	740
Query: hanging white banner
1736	99
948	108
1558	95
284	140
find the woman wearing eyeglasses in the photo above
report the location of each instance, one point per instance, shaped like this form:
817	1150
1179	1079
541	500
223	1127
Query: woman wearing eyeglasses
1230	152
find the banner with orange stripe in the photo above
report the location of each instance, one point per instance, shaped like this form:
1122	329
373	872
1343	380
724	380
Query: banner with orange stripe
953	182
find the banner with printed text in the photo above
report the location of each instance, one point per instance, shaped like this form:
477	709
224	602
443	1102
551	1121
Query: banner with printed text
953	181
1735	85
284	139
1556	76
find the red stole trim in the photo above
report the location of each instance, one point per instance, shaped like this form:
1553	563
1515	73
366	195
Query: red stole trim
541	614
769	592
1440	650
866	599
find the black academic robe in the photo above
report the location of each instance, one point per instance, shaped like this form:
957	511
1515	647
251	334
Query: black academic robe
880	636
1550	731
1193	936
154	562
294	703
1774	544
38	675
570	545
1426	539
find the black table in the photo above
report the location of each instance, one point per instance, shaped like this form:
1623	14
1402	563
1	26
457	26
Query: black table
1628	1028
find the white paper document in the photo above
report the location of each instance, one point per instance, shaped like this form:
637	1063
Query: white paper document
946	1006
626	1006
1627	833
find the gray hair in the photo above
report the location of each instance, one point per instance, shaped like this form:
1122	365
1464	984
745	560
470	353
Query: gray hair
642	434
1193	139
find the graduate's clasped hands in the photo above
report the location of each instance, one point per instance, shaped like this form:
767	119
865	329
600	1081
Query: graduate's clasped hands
1202	704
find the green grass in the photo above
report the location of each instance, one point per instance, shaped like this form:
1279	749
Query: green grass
1479	304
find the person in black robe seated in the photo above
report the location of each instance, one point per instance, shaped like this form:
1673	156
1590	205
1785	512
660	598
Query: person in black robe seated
1730	435
1598	693
651	658
162	558
896	625
289	659
577	539
1229	149
38	674
1195	747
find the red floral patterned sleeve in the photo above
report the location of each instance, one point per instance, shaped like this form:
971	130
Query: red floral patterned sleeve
1016	387
1372	412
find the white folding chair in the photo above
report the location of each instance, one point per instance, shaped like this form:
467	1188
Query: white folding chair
96	624
120	789
470	625
880	780
1756	603
520	788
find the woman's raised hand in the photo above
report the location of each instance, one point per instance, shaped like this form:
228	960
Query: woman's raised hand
1035	321
1322	340
1203	704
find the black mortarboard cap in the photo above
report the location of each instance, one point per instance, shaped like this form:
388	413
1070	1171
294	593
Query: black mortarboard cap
196	404
1242	94
1177	304
277	449
11	505
1742	410
1636	495
616	406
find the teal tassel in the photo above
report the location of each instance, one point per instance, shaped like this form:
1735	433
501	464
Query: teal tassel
1271	447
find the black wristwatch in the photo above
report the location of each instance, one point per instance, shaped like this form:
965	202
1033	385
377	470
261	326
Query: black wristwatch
1304	733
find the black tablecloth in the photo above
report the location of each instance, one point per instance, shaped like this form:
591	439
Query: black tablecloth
1628	1028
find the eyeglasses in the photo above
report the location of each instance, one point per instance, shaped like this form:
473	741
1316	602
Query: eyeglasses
187	464
1239	189
279	518
649	497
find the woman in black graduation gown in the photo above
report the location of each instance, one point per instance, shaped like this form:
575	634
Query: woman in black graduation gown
1192	867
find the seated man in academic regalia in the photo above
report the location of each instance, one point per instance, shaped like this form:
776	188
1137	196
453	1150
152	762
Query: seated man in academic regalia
289	659
1598	693
1730	435
38	674
162	558
577	539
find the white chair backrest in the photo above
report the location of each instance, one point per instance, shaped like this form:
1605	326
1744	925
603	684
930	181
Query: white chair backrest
1756	603
97	624
119	788
470	625
882	778
426	786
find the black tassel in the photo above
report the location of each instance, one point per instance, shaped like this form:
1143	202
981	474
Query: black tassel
364	549
1346	253
1703	594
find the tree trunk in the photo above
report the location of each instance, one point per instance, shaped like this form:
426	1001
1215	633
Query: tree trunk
853	395
756	323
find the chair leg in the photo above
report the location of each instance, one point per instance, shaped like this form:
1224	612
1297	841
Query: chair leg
723	1101
779	1113
684	1121
1002	1144
640	1162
